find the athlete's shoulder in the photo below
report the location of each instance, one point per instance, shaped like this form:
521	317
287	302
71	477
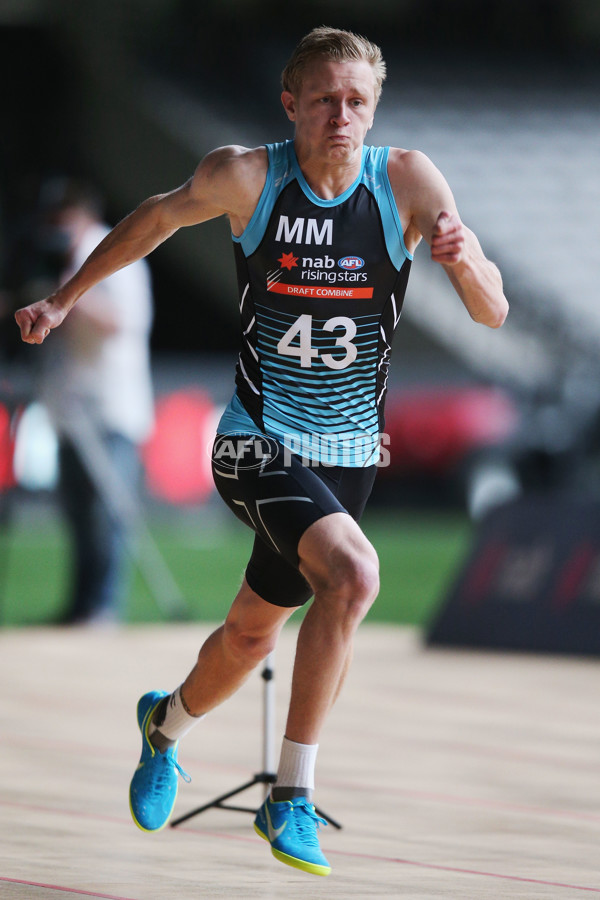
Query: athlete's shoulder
232	177
400	163
234	162
410	168
408	161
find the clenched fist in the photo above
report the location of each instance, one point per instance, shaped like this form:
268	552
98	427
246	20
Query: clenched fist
448	239
38	319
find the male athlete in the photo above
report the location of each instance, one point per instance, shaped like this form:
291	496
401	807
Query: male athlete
324	230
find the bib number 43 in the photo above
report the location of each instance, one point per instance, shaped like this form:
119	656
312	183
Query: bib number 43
301	333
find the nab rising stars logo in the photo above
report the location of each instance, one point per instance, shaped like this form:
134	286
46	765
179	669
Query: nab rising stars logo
351	262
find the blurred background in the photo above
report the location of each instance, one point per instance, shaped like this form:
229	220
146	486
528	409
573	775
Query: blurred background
503	96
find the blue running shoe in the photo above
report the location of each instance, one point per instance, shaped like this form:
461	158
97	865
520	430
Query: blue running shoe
291	828
153	788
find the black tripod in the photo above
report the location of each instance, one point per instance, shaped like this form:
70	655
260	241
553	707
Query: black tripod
267	776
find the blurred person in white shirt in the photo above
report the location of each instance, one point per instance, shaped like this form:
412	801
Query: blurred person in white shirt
96	384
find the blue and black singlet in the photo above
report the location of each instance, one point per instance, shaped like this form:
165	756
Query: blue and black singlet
321	287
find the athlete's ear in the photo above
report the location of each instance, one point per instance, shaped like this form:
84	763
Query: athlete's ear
289	104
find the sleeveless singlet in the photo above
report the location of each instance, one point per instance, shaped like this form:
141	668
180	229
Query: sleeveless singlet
321	287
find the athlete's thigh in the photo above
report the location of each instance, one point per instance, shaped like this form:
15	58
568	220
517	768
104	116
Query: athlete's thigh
282	499
278	497
350	485
275	579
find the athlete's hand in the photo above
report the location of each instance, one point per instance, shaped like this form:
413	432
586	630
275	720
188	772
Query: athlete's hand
448	239
38	319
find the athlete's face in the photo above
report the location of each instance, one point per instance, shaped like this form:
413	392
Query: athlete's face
334	108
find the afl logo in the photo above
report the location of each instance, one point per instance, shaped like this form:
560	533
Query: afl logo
351	262
243	451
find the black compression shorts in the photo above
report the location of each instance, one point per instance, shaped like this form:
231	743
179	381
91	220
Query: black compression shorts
273	492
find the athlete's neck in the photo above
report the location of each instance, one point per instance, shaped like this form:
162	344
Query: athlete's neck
328	177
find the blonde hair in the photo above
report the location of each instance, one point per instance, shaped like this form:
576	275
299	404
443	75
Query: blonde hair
333	44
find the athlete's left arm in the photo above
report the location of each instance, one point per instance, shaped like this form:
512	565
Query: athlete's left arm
429	208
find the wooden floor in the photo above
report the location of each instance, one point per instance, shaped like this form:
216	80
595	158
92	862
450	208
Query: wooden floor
454	775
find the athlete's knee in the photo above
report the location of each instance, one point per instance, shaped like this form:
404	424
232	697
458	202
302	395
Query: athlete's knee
247	644
341	566
360	582
351	585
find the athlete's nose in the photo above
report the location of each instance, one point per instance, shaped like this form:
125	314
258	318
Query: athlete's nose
339	115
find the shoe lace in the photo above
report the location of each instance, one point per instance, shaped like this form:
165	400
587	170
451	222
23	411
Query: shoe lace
187	778
163	773
308	823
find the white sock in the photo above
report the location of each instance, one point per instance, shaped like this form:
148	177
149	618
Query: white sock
296	768
177	721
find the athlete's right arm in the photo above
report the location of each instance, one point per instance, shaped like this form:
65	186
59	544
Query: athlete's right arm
228	181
